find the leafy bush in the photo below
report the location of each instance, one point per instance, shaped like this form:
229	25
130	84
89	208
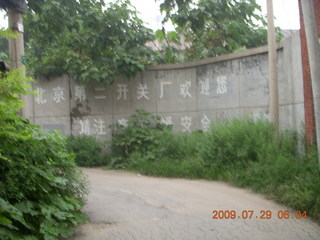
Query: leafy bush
88	151
41	190
143	134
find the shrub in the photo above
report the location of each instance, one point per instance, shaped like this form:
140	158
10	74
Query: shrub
41	190
143	134
88	151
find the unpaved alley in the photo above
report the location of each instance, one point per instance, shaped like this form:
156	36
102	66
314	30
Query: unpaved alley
129	206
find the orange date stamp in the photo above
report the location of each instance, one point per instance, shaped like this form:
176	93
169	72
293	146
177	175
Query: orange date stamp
263	214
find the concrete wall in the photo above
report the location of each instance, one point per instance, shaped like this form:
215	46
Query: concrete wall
190	96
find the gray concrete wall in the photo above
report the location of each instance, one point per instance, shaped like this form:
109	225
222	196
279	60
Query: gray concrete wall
190	96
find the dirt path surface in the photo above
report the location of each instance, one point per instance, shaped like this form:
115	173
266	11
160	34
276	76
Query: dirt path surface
128	206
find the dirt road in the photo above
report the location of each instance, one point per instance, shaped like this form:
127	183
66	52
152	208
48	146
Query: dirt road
128	206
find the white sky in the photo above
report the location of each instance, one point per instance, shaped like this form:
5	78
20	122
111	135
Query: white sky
285	11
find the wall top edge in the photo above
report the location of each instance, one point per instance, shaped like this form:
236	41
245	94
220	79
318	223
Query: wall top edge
226	57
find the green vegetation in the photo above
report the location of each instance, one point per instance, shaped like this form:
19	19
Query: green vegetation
143	135
88	150
4	45
208	28
90	40
41	190
86	39
244	153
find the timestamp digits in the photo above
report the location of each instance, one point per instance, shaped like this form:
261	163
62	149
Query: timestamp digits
263	214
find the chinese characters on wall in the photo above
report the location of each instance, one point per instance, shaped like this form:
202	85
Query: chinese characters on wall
97	126
58	95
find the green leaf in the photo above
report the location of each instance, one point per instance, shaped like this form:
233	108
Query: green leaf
160	35
5	221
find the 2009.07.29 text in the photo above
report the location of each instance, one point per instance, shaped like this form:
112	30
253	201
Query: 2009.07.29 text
263	214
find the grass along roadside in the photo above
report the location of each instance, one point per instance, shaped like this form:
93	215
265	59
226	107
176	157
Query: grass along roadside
243	152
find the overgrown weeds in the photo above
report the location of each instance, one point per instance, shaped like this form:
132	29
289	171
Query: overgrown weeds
89	152
243	152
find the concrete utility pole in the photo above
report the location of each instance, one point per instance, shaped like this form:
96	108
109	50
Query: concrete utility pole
16	49
16	45
314	59
273	78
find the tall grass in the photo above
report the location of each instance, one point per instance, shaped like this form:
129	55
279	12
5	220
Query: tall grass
245	153
88	151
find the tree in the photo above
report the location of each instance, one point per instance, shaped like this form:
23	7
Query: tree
86	39
91	41
215	27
